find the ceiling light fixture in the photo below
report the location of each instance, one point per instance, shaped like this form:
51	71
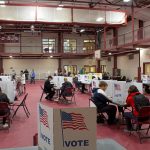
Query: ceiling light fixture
110	54
51	56
10	56
82	30
126	1
137	48
61	5
2	2
59	8
32	27
99	19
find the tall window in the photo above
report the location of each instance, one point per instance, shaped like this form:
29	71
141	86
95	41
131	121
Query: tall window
88	45
70	45
48	45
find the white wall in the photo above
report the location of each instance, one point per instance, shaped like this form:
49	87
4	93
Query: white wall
79	62
109	64
41	66
129	68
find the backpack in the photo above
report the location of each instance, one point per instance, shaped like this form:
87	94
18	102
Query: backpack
140	101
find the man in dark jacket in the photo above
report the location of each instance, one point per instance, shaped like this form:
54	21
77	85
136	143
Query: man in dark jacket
4	98
101	101
49	88
65	85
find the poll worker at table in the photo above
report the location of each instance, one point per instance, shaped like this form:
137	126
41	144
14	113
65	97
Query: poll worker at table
101	101
133	92
65	85
4	98
49	88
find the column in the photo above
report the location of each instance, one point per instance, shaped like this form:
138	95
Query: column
1	60
115	37
115	65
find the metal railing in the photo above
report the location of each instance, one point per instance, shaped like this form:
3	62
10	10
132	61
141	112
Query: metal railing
129	38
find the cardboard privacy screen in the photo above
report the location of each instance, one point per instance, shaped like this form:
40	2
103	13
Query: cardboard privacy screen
66	128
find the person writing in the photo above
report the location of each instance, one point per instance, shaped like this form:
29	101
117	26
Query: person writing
101	101
49	88
131	101
65	85
4	98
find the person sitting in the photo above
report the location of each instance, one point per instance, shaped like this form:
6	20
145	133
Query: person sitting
133	92
101	101
49	88
4	98
65	85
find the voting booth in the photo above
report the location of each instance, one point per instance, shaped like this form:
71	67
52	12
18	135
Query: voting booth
146	79
66	128
8	87
59	80
117	90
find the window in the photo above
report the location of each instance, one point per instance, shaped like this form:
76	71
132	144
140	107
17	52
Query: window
88	45
90	69
70	45
71	68
103	68
48	45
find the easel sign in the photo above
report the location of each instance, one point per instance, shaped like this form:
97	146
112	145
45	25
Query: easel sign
67	128
75	129
45	127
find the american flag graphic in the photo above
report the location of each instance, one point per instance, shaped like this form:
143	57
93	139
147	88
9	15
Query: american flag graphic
117	87
43	117
73	121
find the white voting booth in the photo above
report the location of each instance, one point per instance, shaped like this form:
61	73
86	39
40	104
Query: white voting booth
146	79
59	80
8	87
66	128
117	90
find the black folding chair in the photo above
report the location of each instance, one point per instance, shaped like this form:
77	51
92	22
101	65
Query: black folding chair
142	119
22	104
99	113
43	92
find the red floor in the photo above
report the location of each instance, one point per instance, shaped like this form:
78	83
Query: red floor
22	130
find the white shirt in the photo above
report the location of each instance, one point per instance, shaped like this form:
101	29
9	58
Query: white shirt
23	79
101	92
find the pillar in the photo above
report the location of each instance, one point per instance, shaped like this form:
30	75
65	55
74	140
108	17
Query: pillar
60	50
140	31
139	69
115	37
98	66
115	65
1	60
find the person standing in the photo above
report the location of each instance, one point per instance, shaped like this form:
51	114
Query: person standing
23	81
32	77
26	74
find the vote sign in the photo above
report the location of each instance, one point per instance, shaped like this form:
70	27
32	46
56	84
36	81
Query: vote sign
73	129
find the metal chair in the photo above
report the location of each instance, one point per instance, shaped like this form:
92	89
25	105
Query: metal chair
4	107
99	113
22	104
69	93
43	92
142	119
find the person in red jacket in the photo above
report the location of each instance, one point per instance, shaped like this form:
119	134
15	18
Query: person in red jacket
132	91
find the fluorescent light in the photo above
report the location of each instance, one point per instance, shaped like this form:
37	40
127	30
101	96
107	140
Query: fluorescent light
10	56
59	8
61	5
99	19
109	53
2	2
126	1
137	48
82	30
